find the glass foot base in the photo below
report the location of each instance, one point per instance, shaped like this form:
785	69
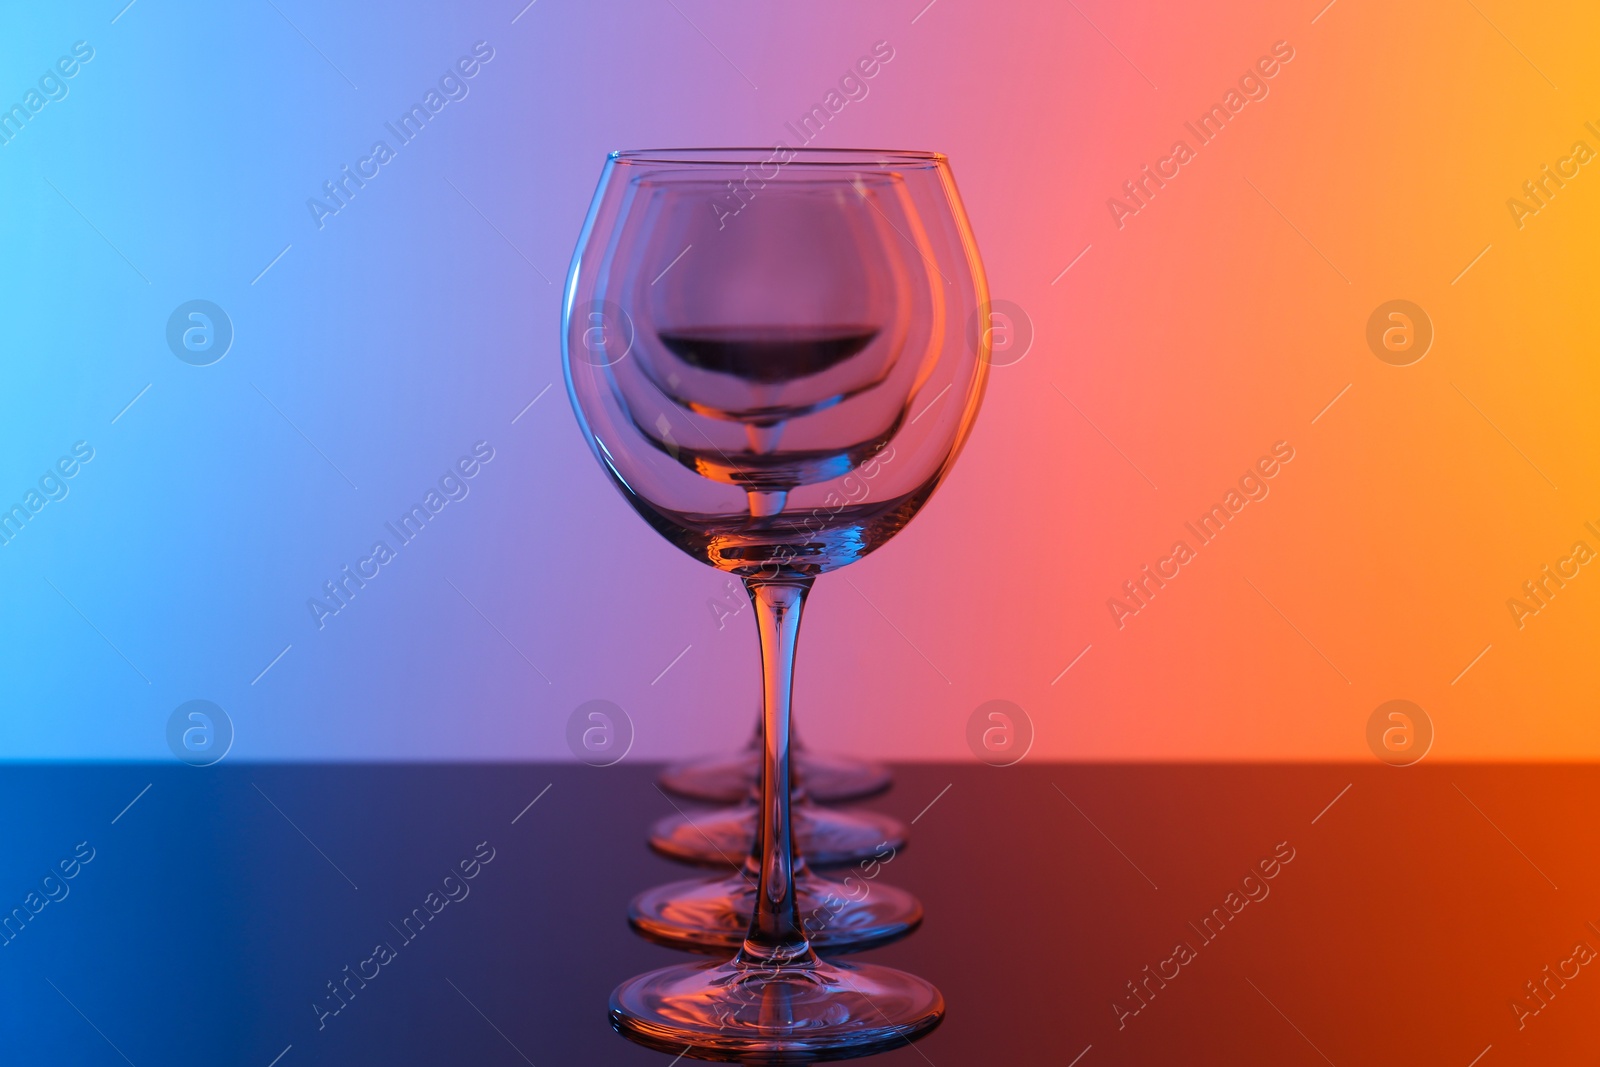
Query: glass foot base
736	1013
713	914
826	837
730	778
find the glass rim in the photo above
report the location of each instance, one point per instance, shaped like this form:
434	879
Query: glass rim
858	158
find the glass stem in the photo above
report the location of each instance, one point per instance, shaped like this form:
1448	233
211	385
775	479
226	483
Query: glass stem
776	935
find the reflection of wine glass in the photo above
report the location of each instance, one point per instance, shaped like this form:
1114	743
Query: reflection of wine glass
766	352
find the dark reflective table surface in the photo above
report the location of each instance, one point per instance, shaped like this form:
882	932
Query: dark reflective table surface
1089	915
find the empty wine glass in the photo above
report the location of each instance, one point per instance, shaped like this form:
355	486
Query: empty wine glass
768	353
850	911
830	837
729	777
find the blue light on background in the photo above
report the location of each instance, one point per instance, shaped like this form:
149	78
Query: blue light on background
372	346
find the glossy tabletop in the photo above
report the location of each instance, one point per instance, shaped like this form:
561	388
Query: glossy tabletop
1088	915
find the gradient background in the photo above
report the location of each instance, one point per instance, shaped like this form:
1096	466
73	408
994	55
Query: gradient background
1224	317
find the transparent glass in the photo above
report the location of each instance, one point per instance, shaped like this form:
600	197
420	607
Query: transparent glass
843	912
728	778
773	356
829	837
847	911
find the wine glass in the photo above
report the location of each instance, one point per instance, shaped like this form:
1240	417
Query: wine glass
850	912
831	837
769	354
728	778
